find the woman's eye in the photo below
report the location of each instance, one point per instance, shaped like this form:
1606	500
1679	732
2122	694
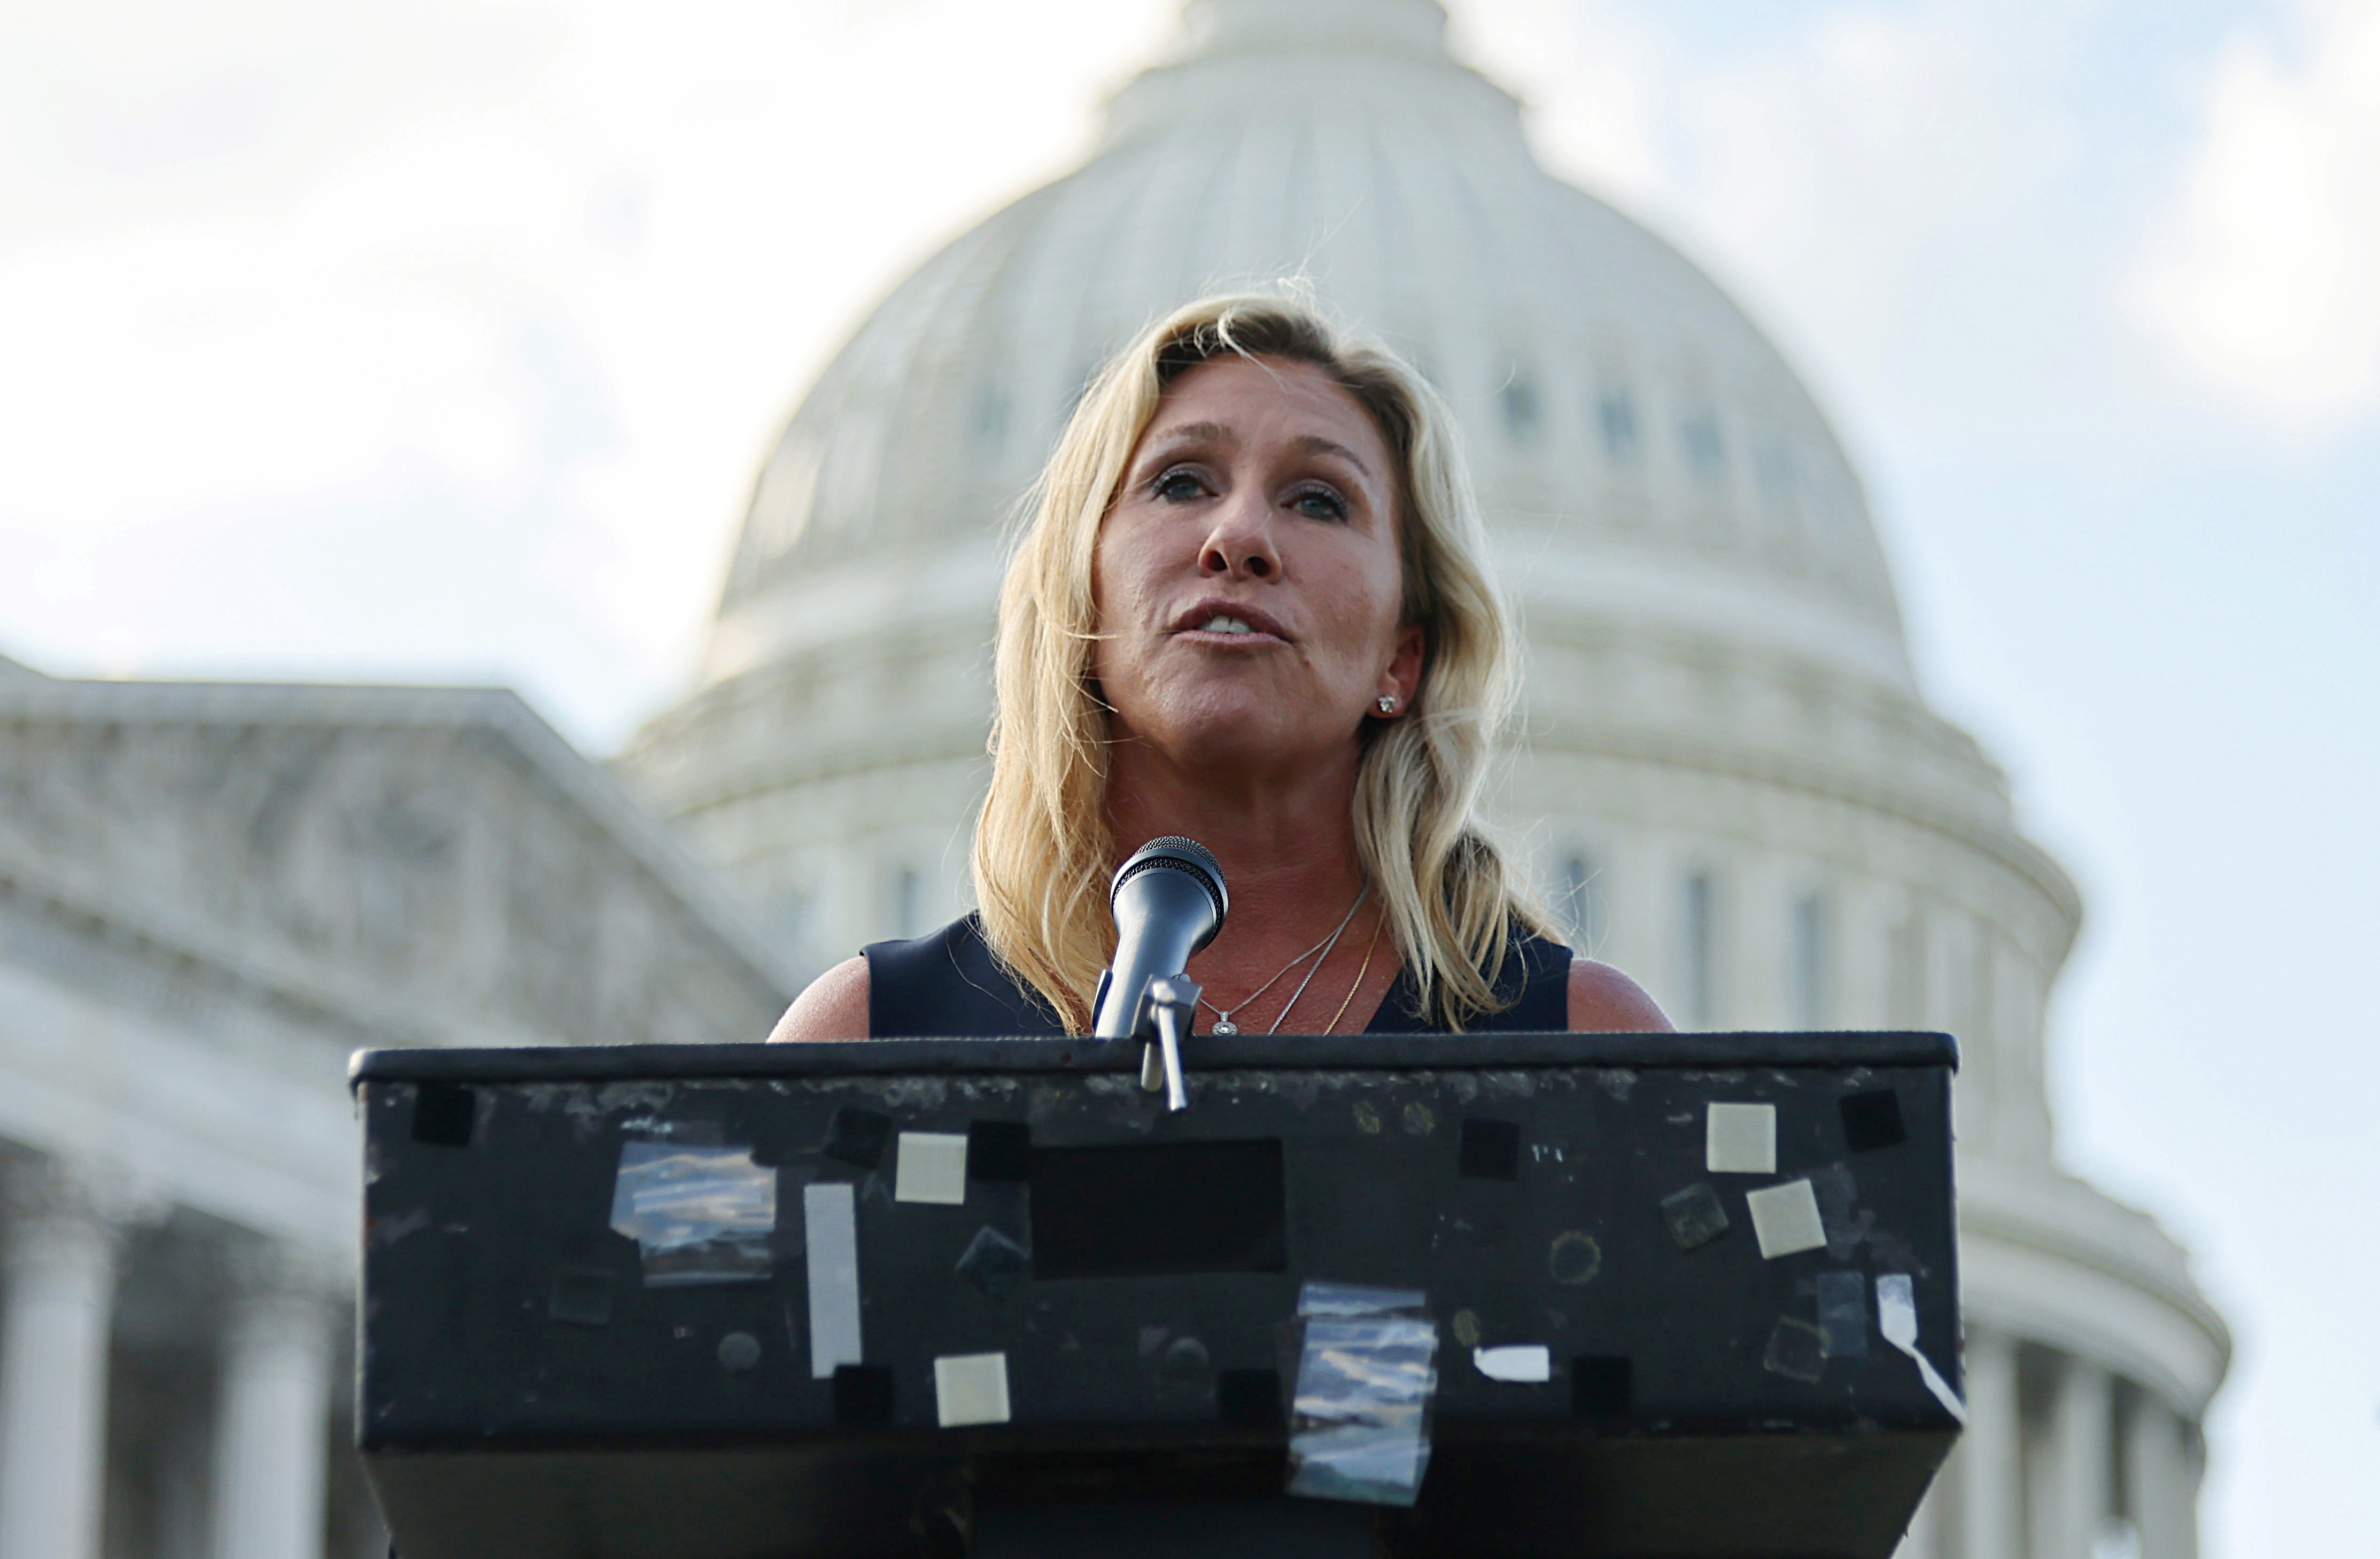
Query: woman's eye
1316	503
1178	487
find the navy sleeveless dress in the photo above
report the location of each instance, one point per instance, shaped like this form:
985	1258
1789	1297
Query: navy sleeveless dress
947	982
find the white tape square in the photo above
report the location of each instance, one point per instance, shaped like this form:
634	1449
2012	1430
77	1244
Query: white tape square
931	1167
1527	1364
1740	1139
971	1388
1785	1219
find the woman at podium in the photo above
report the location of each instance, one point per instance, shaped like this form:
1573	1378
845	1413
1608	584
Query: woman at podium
1251	607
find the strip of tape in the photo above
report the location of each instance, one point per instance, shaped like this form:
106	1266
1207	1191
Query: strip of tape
1896	1317
830	1236
1527	1364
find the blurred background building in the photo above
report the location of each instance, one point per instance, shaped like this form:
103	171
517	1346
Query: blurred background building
1728	780
210	897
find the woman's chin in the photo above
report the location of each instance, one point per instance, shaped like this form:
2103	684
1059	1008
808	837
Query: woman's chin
1244	733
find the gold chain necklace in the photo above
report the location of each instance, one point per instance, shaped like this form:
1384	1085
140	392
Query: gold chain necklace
1366	968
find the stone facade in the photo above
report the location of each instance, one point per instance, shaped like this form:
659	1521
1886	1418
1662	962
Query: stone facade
210	897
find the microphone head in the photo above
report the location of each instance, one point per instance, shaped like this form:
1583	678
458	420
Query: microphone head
1174	853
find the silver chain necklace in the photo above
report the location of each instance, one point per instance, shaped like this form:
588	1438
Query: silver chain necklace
1223	1024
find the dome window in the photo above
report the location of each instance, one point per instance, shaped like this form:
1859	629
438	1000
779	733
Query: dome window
789	916
990	423
1581	903
1772	470
1809	961
1517	399
1615	411
1699	951
1705	451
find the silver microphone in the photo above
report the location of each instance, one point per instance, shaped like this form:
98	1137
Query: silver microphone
1169	901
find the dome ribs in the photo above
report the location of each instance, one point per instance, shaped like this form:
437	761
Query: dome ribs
1168	196
1401	302
1348	218
1245	253
1302	219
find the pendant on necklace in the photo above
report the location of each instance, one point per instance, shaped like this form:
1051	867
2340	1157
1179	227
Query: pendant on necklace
1225	1026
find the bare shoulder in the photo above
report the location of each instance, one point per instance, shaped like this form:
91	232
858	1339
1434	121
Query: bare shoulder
1603	1000
835	1007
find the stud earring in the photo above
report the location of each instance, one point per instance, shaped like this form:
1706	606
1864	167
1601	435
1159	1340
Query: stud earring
1388	704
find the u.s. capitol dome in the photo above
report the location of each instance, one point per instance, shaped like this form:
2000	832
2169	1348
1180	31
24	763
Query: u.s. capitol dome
1727	774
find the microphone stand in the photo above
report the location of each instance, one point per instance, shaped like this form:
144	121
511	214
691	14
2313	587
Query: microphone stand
1172	1003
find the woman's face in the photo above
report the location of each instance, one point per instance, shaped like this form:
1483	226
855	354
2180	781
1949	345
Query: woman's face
1247	578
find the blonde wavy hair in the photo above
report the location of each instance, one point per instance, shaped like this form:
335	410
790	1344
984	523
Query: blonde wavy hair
1043	849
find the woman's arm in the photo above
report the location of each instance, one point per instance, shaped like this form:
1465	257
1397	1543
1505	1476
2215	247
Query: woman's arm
835	1007
1603	1000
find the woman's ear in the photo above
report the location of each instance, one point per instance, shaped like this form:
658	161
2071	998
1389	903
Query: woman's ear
1401	679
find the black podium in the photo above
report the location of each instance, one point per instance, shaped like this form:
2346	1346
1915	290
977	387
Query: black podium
1506	1294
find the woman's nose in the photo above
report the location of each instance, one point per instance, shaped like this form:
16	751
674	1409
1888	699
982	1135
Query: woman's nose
1241	545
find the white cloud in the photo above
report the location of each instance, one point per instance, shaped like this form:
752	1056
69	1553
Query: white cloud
2263	275
1846	162
562	265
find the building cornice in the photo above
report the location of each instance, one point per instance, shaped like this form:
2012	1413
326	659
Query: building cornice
497	712
184	949
1767	766
2062	1261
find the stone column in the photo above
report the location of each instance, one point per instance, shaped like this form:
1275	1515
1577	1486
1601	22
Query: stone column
2158	1471
271	1415
2074	1506
64	1232
1988	1457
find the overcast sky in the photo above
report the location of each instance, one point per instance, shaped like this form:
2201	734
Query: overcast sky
439	341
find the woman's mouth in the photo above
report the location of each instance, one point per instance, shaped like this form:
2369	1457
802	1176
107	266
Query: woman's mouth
1220	620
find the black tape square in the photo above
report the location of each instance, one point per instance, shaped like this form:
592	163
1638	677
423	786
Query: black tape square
1000	1150
1159	1209
857	1137
1249	1398
863	1394
580	1297
1601	1385
1695	1216
443	1114
1490	1150
1871	1121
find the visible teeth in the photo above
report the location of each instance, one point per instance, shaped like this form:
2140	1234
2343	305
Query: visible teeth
1226	625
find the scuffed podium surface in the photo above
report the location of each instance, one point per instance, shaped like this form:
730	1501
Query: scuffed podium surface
906	1297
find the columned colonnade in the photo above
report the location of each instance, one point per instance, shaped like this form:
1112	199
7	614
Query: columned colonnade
61	1249
2061	1459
